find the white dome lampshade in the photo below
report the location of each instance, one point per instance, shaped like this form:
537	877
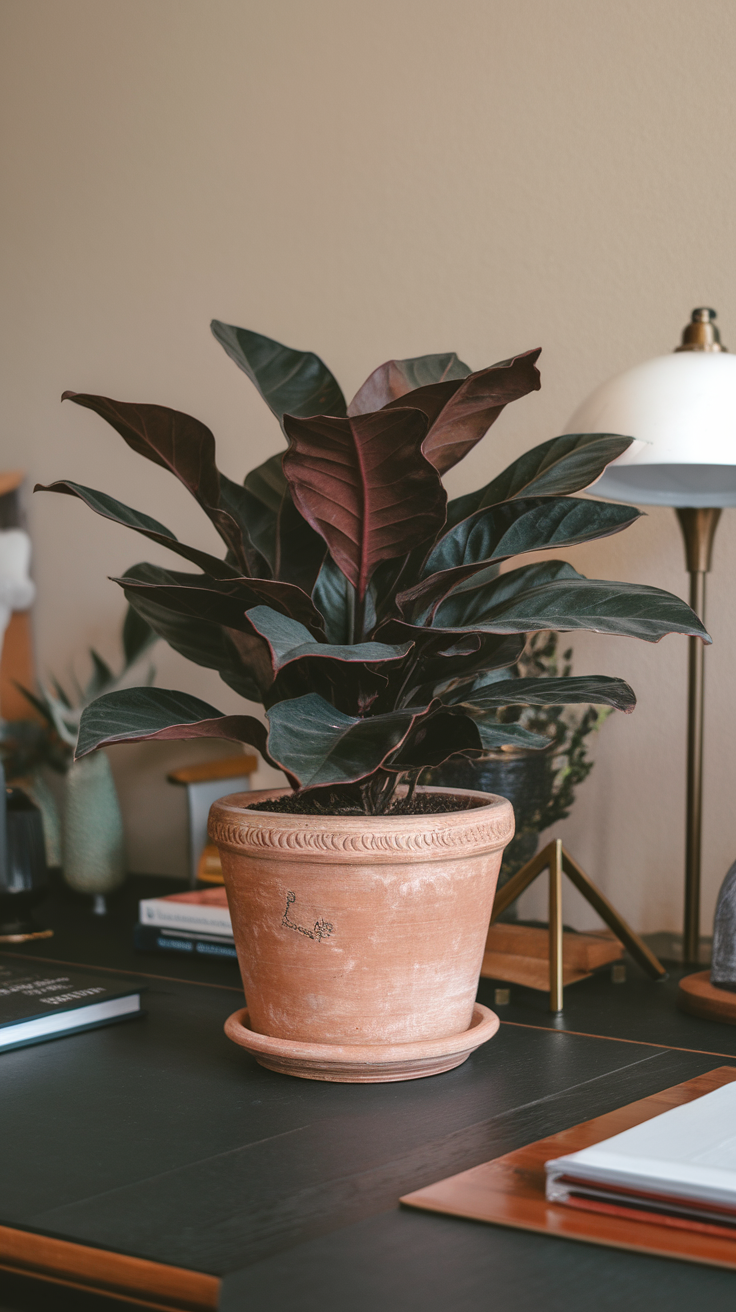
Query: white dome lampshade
681	408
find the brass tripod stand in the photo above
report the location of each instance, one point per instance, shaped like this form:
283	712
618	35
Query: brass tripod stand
556	859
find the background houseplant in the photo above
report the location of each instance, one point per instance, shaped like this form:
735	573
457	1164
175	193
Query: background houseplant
540	784
91	830
364	611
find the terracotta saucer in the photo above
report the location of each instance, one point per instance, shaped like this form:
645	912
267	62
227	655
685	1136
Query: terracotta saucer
358	1064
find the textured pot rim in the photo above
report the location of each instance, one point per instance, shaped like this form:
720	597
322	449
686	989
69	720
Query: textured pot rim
235	827
483	1026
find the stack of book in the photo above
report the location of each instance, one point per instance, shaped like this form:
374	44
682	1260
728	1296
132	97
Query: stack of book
196	923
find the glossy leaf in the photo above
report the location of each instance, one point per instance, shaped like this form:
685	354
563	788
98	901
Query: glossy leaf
510	529
290	381
364	485
267	482
494	735
333	596
223	601
435	737
137	636
289	641
320	745
177	442
467	415
114	510
201	641
131	715
293	549
396	378
555	468
630	609
471	599
593	689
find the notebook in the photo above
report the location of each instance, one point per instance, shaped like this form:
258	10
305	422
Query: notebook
46	1002
678	1168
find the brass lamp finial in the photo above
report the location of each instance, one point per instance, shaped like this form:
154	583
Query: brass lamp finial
701	333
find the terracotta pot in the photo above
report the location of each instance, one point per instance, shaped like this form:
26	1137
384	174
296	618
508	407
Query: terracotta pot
362	932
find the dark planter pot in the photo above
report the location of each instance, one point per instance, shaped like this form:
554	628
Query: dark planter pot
525	778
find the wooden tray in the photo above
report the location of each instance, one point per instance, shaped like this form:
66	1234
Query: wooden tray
700	998
509	1191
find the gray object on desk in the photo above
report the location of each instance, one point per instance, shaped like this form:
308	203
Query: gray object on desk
723	965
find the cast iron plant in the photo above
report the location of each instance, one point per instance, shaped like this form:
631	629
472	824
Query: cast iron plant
363	610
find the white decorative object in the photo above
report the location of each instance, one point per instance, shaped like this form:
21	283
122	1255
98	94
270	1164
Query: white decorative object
17	590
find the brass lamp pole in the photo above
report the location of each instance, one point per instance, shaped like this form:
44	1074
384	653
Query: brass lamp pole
698	526
681	409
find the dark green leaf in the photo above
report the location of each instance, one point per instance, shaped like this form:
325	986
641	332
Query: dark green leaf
246	668
435	737
319	745
137	636
290	641
223	601
300	550
631	609
293	549
268	482
487	588
559	467
133	714
114	510
333	597
495	735
593	689
290	381
394	379
510	529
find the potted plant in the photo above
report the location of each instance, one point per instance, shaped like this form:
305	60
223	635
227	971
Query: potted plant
368	616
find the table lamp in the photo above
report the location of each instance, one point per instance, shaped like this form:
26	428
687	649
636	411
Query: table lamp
682	410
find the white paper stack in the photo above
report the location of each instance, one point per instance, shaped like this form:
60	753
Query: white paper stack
679	1167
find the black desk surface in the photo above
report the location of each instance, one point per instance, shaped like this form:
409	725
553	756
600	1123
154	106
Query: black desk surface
161	1139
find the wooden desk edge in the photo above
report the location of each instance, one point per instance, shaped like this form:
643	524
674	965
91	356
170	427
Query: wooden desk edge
100	1271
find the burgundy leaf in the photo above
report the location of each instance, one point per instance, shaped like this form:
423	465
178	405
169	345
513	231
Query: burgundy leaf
394	379
175	441
472	407
365	486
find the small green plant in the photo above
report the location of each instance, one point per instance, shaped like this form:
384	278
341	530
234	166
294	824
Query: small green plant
566	727
54	740
361	608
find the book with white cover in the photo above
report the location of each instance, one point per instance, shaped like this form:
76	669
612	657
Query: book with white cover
204	911
680	1165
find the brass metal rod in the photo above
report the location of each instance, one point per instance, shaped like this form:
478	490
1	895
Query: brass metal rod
610	916
698	530
694	803
521	881
555	926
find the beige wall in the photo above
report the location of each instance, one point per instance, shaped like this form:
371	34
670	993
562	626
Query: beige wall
368	178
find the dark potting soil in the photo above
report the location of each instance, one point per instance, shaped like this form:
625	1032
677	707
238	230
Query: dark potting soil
420	804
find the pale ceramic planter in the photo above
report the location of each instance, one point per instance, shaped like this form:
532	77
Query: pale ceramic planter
361	938
93	847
